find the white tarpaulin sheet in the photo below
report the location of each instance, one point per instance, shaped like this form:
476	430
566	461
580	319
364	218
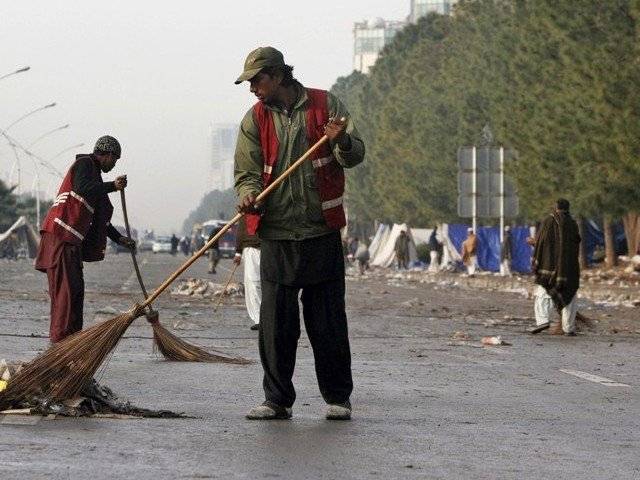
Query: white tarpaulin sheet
25	234
421	235
378	239
385	253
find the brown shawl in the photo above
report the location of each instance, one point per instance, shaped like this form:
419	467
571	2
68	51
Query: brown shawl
555	258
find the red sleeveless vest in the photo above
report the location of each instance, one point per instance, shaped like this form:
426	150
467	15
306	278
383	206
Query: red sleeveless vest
329	173
73	220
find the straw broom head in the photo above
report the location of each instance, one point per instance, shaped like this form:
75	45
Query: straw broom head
176	349
61	371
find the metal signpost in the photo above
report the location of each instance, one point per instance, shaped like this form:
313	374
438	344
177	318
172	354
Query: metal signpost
483	189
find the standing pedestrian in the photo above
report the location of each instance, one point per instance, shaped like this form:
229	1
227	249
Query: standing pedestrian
506	253
470	252
401	247
299	228
174	244
433	245
353	247
248	249
76	230
214	250
557	270
362	256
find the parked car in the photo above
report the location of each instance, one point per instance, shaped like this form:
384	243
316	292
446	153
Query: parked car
161	245
116	247
145	245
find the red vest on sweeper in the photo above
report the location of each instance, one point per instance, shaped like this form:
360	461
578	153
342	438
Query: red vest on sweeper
73	220
329	173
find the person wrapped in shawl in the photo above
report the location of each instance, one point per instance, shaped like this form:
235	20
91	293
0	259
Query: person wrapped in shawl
556	269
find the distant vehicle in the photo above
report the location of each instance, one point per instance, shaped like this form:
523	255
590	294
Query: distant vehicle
227	244
145	245
116	247
161	245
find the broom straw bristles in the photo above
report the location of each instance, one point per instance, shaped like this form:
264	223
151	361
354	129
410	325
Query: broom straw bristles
61	371
176	349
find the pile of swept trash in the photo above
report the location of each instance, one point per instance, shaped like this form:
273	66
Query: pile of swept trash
207	289
94	400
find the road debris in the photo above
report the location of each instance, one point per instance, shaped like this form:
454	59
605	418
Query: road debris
206	289
496	340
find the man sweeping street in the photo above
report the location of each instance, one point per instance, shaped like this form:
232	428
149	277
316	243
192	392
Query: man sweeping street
76	230
557	270
299	228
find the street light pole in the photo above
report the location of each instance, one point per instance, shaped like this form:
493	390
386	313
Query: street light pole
20	70
66	150
51	105
47	134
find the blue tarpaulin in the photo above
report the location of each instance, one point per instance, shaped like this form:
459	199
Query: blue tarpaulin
489	246
594	238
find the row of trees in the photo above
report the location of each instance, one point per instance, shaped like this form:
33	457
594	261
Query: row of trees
556	80
221	203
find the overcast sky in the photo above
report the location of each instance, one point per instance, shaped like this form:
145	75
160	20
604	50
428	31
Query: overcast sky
156	75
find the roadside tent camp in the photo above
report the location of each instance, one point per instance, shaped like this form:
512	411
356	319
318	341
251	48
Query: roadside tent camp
385	253
489	247
25	234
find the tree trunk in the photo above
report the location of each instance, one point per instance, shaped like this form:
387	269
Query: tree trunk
582	253
609	245
631	222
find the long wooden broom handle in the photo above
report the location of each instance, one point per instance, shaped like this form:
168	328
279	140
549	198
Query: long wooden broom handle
233	221
133	252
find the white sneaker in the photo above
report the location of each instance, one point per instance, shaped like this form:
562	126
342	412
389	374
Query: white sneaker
339	411
269	411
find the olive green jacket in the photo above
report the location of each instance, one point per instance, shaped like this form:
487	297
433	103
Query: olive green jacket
293	210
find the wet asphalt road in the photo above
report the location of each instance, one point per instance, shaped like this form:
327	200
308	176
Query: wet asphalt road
423	407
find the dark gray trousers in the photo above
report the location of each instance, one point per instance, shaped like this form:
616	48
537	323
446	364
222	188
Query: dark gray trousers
324	313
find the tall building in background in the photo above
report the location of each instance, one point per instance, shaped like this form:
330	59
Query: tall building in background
223	146
419	8
369	37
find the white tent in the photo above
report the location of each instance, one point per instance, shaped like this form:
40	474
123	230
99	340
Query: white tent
25	233
421	235
378	239
385	253
449	252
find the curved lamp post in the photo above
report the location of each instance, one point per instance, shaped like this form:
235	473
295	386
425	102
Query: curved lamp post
51	105
46	134
20	70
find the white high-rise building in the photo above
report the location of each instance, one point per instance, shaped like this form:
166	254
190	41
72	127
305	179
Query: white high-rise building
419	8
369	37
223	146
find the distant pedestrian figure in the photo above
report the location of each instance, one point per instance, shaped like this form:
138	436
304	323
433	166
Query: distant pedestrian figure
434	247
214	250
353	247
362	256
470	252
557	269
401	248
174	244
184	245
506	253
